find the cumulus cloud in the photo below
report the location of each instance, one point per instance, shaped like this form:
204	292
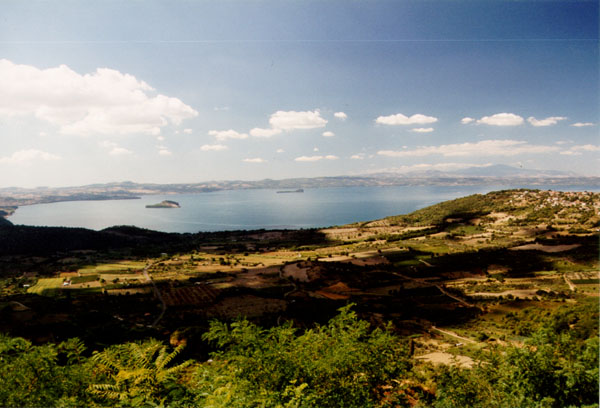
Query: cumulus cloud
579	149
315	158
254	160
258	132
280	150
213	147
482	148
467	120
102	102
114	148
552	120
502	119
429	166
340	115
422	130
582	124
400	119
359	156
164	151
187	131
227	134
328	134
291	120
28	155
119	151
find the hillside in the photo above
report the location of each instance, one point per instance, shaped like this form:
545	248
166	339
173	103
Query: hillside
450	285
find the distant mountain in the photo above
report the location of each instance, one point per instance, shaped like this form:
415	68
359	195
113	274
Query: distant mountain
502	170
495	170
498	174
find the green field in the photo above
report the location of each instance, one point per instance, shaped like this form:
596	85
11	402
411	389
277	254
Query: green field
114	267
46	286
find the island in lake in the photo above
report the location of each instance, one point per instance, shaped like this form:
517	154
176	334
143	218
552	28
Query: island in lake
165	204
300	190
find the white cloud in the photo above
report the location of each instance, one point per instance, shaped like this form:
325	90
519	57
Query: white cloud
115	149
160	138
328	134
291	120
315	158
119	151
254	160
227	134
552	120
43	134
429	166
422	130
187	131
213	147
359	156
280	150
582	124
315	149
340	115
28	155
577	150
482	148
163	151
467	120
103	102
501	119
258	132
400	119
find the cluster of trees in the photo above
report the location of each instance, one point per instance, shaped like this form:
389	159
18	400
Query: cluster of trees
344	363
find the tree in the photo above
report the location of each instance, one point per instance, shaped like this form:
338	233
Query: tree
48	375
138	373
343	363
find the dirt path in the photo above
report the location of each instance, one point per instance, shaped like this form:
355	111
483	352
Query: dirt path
568	282
440	288
450	295
157	294
451	333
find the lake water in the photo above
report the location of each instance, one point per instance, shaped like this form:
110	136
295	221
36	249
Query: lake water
251	209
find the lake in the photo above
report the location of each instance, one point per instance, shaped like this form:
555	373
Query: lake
252	209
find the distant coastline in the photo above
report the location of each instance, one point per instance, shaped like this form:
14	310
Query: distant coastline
13	197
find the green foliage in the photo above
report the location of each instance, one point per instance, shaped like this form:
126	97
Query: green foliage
138	374
342	364
557	367
42	376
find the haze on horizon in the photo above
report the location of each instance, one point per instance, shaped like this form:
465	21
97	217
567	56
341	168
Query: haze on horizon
191	91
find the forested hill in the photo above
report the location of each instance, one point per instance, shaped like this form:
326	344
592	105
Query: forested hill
520	206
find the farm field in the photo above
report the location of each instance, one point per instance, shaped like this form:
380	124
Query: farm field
457	285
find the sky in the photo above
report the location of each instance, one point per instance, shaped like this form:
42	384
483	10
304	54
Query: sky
189	91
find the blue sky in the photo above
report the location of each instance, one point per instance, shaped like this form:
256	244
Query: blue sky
189	91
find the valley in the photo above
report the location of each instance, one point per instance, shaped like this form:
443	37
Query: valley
454	279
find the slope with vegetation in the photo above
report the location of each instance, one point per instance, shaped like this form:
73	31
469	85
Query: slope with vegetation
482	301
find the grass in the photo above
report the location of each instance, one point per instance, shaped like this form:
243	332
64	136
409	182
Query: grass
84	279
46	286
114	267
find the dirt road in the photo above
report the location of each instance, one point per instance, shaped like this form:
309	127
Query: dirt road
157	294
